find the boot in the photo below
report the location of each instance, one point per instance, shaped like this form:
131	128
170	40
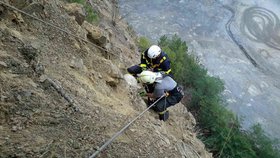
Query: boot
164	115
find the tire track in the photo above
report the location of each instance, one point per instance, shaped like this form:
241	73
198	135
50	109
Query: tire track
261	25
228	29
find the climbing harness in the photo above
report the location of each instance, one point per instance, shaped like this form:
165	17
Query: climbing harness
123	129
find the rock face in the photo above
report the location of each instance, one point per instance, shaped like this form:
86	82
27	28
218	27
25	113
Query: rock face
61	96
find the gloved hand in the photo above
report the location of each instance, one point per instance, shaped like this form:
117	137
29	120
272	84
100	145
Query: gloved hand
159	75
142	93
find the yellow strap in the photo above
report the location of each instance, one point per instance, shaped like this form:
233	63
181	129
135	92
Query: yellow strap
161	61
144	57
150	62
161	113
143	65
168	71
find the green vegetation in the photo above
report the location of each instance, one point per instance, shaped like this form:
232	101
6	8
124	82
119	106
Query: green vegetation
76	1
220	129
143	43
91	15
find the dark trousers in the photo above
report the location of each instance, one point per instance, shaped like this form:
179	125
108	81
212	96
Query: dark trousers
168	101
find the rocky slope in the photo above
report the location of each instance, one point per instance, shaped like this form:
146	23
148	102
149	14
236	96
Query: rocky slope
62	90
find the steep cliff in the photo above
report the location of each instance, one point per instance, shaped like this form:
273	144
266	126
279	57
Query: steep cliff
63	93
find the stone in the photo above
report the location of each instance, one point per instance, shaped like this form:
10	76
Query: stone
39	69
14	128
77	63
28	52
112	81
3	64
3	98
16	18
43	78
95	34
76	10
131	80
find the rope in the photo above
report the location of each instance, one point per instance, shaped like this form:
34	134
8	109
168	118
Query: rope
123	129
227	138
53	25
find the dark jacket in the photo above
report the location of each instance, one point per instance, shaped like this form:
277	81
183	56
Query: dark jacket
159	64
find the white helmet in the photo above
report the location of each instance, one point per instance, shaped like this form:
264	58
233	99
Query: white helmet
147	77
154	51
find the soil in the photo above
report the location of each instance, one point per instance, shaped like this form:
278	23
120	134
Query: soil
63	97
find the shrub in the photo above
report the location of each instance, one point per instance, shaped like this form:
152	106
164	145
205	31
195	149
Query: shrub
262	145
220	128
143	43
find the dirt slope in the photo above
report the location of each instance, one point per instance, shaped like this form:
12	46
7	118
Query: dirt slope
63	97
